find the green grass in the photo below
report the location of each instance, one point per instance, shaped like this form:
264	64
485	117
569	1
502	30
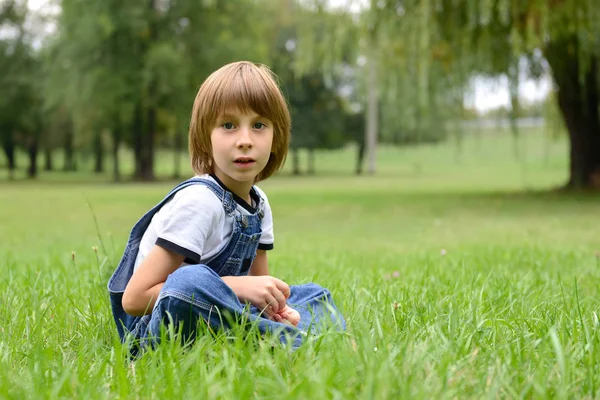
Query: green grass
458	279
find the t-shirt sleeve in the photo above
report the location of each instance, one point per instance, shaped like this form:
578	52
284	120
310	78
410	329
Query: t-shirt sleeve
267	238
187	222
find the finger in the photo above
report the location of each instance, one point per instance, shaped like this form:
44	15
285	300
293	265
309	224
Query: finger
279	301
285	313
283	287
267	311
270	305
277	318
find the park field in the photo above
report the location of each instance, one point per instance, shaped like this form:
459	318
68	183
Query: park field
461	274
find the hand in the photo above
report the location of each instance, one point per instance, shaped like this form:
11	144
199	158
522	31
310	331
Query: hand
264	292
288	315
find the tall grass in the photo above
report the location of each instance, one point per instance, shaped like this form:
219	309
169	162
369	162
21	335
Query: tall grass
459	278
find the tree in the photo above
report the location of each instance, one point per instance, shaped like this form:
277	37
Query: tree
354	126
401	66
562	32
318	115
11	51
132	68
465	38
20	104
316	105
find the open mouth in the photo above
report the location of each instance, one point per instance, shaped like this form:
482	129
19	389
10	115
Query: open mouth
244	160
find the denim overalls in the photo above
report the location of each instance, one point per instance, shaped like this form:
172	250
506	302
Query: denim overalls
196	292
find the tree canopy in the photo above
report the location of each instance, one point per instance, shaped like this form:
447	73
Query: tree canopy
115	74
422	54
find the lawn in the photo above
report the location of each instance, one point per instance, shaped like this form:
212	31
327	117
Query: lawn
461	275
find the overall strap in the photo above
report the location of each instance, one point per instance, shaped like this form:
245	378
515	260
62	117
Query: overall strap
142	224
222	194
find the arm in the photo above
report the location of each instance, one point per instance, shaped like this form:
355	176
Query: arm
147	281
260	265
182	227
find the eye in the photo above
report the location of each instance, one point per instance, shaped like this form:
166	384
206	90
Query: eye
228	125
259	125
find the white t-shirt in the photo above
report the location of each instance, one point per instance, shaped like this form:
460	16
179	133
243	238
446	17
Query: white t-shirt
194	224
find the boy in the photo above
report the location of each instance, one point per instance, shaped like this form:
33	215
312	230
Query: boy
202	251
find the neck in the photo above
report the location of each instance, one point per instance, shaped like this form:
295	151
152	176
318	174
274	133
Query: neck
241	189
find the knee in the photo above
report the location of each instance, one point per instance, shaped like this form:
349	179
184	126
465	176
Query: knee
319	291
309	292
197	283
190	278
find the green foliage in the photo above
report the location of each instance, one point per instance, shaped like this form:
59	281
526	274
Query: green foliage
20	76
112	66
417	96
94	64
425	53
318	114
115	64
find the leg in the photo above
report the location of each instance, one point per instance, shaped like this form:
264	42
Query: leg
316	307
196	292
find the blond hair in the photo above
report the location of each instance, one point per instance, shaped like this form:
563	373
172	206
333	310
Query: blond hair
247	87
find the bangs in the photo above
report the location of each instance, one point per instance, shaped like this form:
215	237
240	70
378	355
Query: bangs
246	89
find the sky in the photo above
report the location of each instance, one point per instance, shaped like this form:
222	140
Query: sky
36	4
487	93
494	93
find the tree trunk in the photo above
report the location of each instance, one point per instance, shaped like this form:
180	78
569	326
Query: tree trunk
372	117
513	83
116	165
147	155
98	153
48	164
8	144
115	150
311	161
178	149
144	144
457	123
148	131
137	129
69	163
295	161
578	102
360	156
32	150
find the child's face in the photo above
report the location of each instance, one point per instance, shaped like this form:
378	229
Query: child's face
241	146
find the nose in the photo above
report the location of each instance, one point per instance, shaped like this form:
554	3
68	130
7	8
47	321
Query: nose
244	140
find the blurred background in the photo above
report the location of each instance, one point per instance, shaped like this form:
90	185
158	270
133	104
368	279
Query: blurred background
102	90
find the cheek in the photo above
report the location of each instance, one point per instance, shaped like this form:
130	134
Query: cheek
216	141
211	141
271	142
212	150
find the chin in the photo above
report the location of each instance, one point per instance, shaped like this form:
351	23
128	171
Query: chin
244	178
